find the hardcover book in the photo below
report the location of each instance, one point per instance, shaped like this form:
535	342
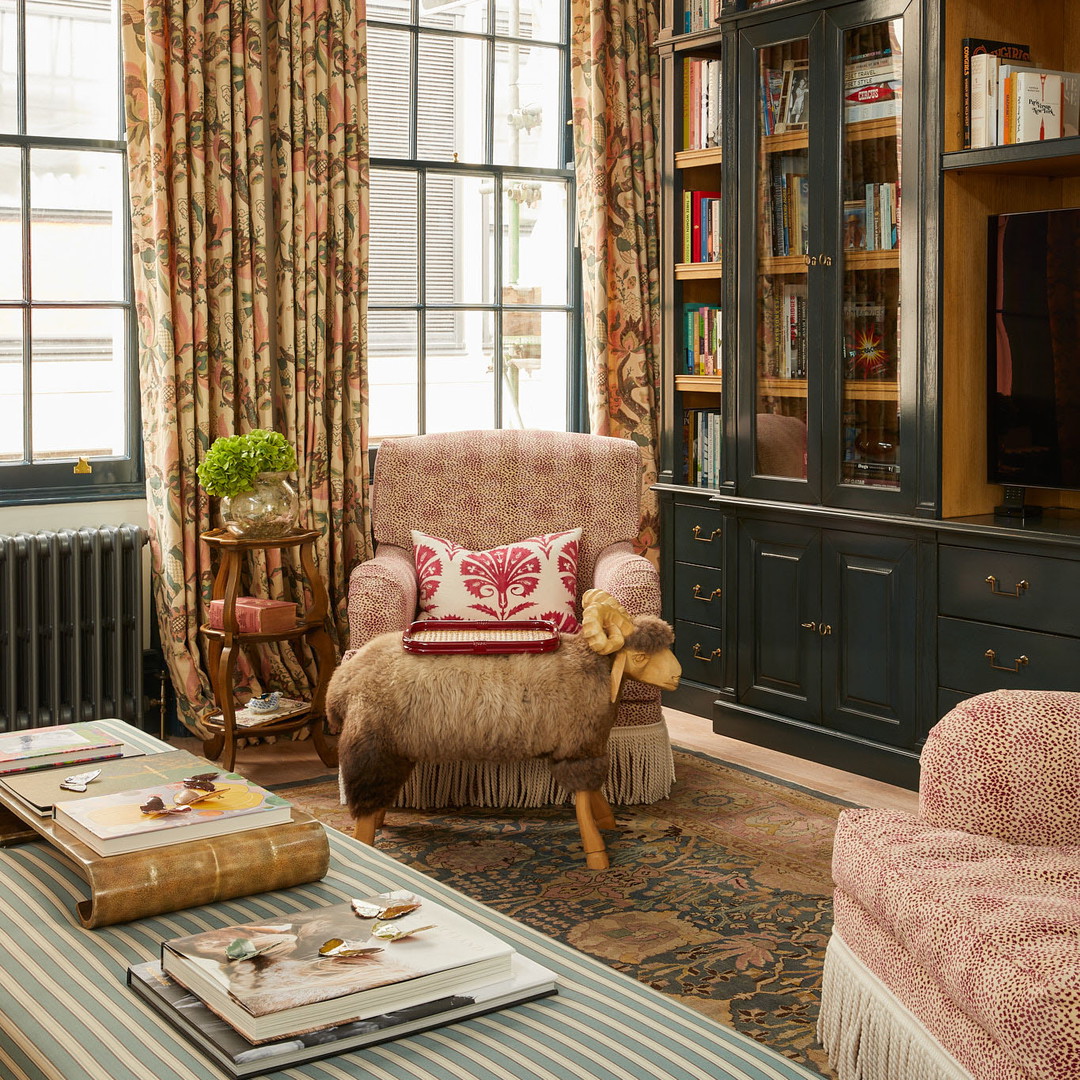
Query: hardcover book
287	987
1038	105
1008	52
249	717
255	615
115	824
47	747
241	1058
40	791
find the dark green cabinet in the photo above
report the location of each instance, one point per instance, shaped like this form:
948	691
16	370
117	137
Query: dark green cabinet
827	628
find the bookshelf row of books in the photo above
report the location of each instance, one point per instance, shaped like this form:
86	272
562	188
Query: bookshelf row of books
873	84
867	351
788	223
702	227
784	340
703	337
701	14
1008	100
702	437
703	94
872	223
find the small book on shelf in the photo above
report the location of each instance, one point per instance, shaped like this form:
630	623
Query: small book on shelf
287	988
48	747
40	791
239	1057
249	717
255	615
115	824
1006	52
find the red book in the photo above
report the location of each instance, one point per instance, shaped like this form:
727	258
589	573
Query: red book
698	242
254	615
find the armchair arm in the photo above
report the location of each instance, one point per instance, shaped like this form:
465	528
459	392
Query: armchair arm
1006	764
382	595
630	578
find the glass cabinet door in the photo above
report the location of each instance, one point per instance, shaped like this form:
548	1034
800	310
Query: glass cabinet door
784	189
870	254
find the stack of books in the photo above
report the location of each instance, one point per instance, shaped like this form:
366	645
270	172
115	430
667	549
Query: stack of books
256	997
51	747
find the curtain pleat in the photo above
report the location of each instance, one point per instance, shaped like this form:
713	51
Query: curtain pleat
615	82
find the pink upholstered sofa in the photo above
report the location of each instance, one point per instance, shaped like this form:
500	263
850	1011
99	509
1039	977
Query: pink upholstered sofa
483	489
956	944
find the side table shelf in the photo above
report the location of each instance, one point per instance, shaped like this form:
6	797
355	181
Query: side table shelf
224	645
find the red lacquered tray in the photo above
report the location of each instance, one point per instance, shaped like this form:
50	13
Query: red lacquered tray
458	636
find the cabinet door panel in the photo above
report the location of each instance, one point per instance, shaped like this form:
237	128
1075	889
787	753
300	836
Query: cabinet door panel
868	606
779	657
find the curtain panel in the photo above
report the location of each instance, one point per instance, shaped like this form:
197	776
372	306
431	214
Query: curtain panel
249	295
615	82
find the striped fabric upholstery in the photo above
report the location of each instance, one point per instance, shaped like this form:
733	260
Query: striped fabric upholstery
67	1014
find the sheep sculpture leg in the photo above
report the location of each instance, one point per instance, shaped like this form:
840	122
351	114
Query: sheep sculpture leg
367	824
585	805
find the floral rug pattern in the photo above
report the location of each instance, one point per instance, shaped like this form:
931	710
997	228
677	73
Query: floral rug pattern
720	894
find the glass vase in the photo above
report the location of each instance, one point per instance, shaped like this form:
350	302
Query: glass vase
268	510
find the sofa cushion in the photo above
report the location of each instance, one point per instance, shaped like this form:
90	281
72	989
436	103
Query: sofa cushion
534	578
996	924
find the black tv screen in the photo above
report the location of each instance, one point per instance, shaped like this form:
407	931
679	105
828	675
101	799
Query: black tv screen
1033	347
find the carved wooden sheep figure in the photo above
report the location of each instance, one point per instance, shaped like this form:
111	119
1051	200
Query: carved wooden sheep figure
395	708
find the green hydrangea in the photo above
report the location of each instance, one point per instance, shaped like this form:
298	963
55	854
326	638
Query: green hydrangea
233	462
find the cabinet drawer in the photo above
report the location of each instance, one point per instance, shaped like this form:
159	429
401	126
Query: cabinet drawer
699	535
963	664
1048	601
698	593
700	651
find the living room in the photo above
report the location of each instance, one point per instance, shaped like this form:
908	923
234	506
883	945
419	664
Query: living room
423	219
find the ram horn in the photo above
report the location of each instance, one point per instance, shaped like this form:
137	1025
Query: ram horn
604	622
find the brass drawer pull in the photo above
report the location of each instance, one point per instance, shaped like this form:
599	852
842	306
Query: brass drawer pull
811	626
706	599
706	539
993	583
714	655
1020	661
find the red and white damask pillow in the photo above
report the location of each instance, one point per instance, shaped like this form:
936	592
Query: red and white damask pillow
532	579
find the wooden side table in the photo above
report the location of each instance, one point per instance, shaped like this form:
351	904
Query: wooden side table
224	646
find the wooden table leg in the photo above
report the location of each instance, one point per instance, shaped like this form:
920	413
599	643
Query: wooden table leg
596	857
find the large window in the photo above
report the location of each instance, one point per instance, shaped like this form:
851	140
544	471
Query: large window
471	291
68	413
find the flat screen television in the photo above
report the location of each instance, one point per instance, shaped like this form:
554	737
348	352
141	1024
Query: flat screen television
1033	347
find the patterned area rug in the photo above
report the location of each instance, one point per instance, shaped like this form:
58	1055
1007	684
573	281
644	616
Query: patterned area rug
720	894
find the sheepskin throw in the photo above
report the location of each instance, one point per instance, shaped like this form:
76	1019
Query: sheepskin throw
531	579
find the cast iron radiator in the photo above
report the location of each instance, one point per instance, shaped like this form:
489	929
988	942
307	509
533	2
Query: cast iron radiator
71	626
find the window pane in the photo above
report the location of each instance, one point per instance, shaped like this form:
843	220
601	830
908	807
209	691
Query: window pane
460	370
77	245
11	250
11	386
534	369
392	260
458	257
393	374
9	55
389	106
540	19
71	69
454	14
534	242
527	124
77	382
398	11
450	114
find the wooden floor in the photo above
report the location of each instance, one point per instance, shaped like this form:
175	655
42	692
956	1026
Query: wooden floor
287	761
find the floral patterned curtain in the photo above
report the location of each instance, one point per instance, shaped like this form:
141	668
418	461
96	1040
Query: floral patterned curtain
216	156
616	99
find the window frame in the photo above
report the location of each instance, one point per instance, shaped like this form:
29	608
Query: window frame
115	476
575	413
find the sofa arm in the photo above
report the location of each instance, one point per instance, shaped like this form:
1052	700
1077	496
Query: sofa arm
382	595
630	578
1006	764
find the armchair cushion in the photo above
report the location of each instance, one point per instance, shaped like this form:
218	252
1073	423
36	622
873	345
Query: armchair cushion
534	578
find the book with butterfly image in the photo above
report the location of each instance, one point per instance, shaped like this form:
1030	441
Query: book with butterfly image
208	803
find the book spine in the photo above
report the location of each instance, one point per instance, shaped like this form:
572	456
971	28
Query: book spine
965	71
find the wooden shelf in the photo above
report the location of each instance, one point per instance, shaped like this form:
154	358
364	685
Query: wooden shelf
698	271
879	259
786	140
783	264
693	159
854	389
708	383
886	127
774	386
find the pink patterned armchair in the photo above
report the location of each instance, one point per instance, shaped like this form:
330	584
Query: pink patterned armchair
956	943
483	489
